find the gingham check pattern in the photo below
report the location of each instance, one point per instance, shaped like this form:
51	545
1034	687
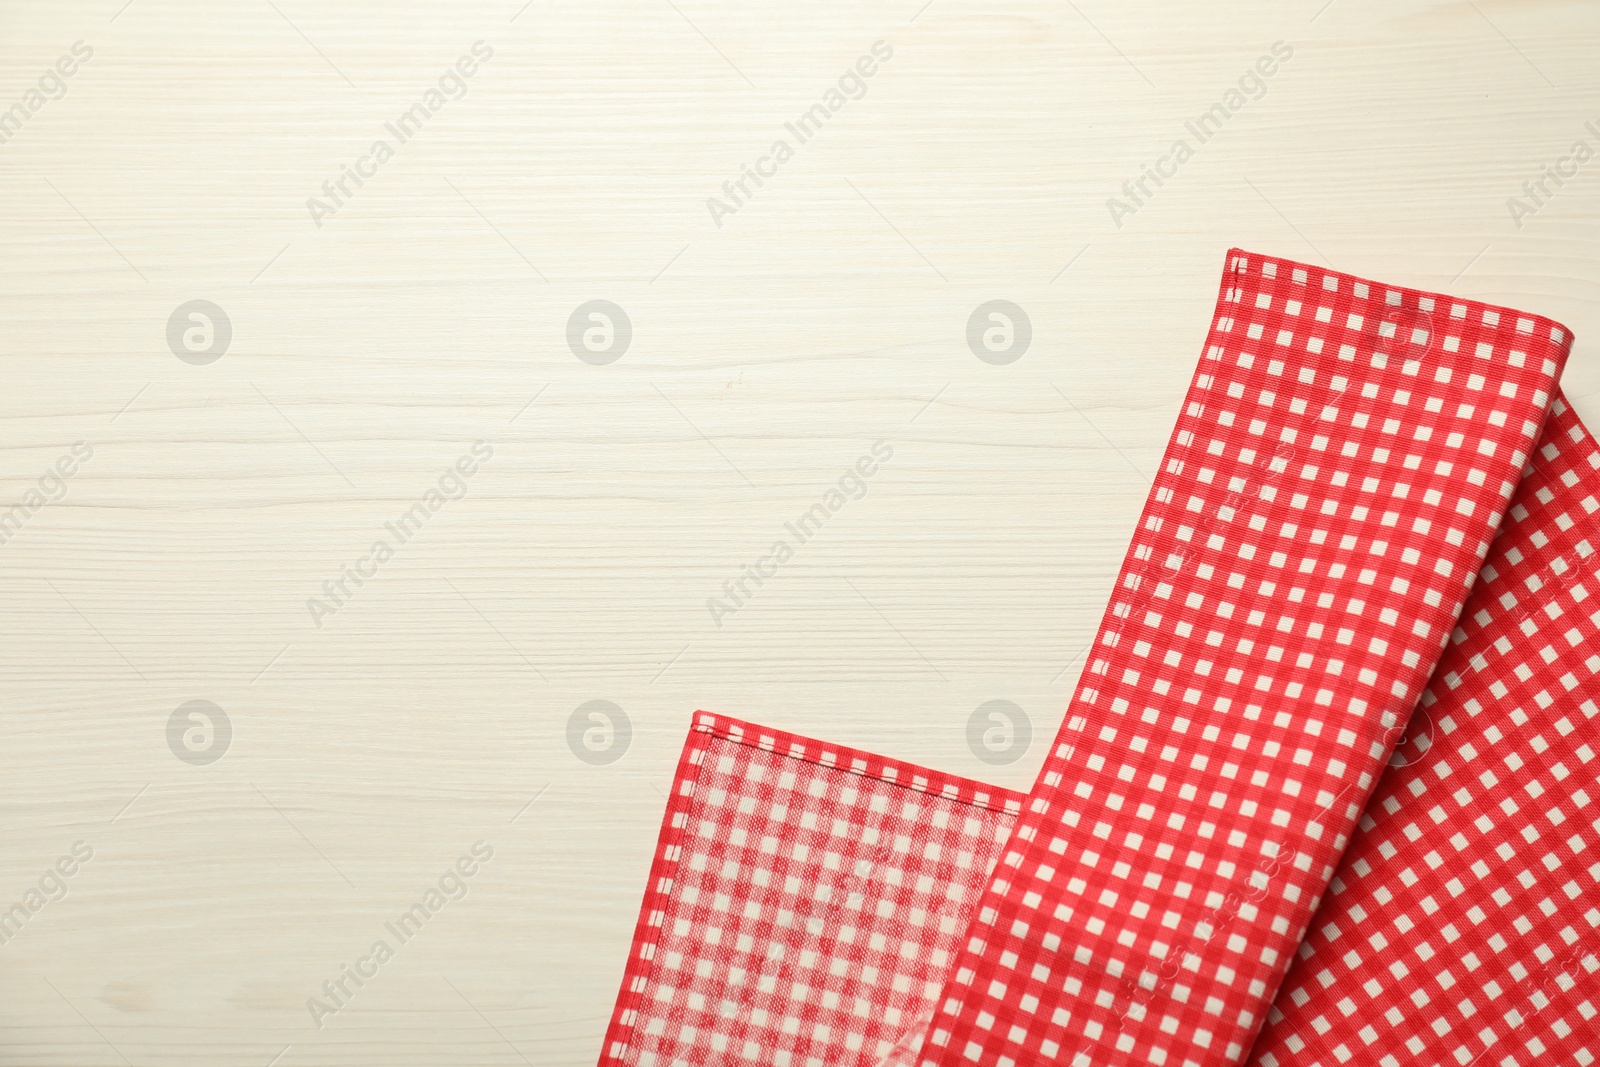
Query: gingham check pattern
1463	924
1341	463
804	902
1336	475
1340	466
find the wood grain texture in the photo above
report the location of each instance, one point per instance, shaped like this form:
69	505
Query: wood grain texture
430	311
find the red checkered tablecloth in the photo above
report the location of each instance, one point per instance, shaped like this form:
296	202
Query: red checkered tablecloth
1463	923
804	902
1346	456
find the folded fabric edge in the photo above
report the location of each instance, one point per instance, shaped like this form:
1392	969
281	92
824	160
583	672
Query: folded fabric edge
1402	296
705	728
1396	323
1509	707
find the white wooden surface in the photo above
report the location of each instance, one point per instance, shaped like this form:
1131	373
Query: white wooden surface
768	353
